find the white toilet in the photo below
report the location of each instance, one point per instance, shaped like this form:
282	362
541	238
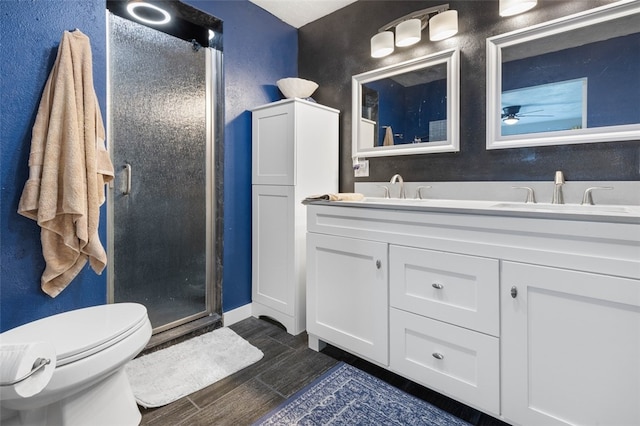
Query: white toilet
89	385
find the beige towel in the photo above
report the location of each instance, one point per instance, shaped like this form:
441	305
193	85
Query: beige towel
342	196
68	167
388	137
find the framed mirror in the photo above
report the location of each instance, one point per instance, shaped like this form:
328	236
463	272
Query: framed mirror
571	80
407	108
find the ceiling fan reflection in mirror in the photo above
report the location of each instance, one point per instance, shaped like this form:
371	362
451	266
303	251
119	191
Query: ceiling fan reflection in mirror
511	114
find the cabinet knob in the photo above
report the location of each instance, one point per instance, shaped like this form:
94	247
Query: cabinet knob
378	264
437	285
514	292
437	355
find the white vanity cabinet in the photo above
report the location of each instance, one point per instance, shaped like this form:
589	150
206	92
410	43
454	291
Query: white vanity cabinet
294	155
531	318
570	347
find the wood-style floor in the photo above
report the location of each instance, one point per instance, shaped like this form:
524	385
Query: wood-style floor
287	366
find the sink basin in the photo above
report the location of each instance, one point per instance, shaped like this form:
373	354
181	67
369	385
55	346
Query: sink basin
564	208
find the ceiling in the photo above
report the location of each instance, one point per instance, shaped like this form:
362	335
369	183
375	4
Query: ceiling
300	12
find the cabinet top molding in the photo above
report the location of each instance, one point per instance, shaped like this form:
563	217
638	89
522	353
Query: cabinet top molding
298	101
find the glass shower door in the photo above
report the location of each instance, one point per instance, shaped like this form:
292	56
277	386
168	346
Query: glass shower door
158	136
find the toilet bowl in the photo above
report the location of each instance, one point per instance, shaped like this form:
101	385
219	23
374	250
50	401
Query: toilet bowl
88	385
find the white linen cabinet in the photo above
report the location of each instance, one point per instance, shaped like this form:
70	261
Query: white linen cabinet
294	155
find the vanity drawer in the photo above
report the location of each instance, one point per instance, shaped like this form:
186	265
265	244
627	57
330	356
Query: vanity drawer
450	359
458	289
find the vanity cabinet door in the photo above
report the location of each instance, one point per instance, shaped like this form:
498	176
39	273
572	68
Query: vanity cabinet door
347	295
570	347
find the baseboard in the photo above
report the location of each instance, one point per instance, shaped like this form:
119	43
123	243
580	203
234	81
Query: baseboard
236	315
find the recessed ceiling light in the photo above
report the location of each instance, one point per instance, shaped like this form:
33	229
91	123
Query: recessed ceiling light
134	8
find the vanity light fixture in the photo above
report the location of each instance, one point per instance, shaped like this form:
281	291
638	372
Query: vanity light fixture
513	7
148	13
443	24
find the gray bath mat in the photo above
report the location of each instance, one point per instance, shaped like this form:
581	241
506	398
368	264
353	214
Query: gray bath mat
169	374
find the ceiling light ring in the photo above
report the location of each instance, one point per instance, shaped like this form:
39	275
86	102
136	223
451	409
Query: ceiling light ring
133	5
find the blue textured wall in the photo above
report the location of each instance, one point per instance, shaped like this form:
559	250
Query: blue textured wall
29	36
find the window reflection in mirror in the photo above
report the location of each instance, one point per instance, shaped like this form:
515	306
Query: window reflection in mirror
545	108
571	80
408	108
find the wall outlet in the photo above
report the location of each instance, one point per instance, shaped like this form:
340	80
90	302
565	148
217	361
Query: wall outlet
361	169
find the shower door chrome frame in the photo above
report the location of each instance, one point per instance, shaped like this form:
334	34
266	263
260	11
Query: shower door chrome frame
214	113
215	179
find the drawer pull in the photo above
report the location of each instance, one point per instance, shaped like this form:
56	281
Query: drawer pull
437	285
437	355
514	292
378	264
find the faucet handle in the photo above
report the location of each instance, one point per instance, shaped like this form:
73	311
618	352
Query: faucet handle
419	191
587	198
386	191
531	198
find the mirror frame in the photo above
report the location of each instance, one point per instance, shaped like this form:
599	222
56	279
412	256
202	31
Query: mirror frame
495	140
451	57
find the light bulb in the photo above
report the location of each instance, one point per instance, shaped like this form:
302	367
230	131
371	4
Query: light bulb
408	32
443	25
513	7
382	44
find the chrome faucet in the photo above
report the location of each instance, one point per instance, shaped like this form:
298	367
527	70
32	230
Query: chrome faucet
419	191
557	189
531	197
397	178
587	198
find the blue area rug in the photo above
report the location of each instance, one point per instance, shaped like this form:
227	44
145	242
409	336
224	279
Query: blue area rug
345	395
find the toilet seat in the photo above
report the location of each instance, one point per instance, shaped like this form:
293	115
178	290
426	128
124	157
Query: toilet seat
80	333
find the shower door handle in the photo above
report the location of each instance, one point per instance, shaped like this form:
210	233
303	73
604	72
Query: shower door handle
127	177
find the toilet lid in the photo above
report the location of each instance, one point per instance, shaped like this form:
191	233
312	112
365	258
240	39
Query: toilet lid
79	333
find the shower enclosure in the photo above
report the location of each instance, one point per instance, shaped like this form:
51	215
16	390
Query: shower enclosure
164	96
